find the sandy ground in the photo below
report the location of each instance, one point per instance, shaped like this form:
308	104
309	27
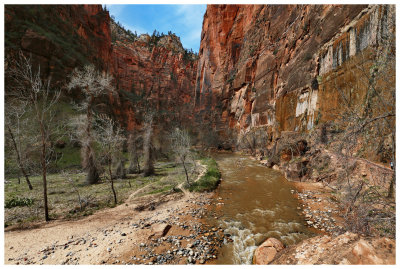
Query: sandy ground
321	211
121	235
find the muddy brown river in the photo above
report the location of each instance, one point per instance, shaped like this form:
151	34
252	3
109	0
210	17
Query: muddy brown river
253	203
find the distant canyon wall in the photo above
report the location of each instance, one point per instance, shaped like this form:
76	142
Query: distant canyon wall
160	79
278	66
60	38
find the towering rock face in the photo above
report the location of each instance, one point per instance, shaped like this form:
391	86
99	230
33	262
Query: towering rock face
150	73
59	37
160	77
278	67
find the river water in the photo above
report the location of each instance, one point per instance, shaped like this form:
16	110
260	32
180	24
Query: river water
257	204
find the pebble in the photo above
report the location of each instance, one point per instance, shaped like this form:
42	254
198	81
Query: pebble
196	248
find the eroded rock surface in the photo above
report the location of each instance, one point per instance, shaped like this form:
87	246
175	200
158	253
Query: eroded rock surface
267	251
347	248
275	66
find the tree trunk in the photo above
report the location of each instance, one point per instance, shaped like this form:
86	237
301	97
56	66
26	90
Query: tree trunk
187	176
148	168
90	164
131	168
138	164
112	182
391	187
21	167
120	171
92	176
134	166
44	172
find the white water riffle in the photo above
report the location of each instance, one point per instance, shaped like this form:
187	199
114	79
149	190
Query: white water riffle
258	204
244	241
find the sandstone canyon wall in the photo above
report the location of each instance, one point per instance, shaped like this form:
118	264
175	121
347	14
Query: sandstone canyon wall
59	37
158	76
274	67
279	67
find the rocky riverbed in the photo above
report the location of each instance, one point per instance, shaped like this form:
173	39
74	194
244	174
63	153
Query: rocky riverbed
320	210
170	233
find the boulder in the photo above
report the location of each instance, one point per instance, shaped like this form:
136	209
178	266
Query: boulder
160	230
267	251
347	248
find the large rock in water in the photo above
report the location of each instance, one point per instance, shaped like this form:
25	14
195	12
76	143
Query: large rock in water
348	248
267	251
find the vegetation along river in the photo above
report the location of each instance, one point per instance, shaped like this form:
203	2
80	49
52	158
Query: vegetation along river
257	204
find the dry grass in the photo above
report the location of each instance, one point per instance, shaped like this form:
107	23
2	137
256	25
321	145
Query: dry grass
63	196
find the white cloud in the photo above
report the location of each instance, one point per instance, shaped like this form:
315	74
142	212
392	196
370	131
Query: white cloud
138	29
184	20
115	10
190	17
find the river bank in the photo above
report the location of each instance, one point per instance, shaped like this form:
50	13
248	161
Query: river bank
170	233
333	244
252	203
163	228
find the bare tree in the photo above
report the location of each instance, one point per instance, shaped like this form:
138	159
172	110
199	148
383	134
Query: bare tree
120	171
93	84
253	139
369	123
148	153
109	136
75	189
14	113
29	87
180	144
366	124
133	149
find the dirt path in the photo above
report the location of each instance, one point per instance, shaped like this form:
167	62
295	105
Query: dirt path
202	172
121	235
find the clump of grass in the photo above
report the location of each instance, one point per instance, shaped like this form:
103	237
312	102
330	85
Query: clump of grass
164	189
210	180
18	201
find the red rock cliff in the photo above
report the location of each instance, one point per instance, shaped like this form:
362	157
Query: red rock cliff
160	78
59	37
268	65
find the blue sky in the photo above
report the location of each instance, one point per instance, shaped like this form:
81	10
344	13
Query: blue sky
183	20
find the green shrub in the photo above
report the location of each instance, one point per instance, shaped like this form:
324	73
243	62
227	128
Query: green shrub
210	180
18	201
